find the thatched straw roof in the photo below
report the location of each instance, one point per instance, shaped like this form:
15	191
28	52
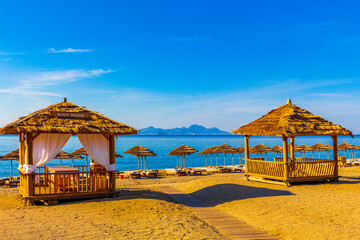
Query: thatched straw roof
225	148
210	150
305	148
65	155
13	155
277	149
140	151
260	148
66	117
288	121
240	149
318	147
346	146
81	151
182	150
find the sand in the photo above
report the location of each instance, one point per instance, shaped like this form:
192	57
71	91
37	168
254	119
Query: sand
135	214
305	211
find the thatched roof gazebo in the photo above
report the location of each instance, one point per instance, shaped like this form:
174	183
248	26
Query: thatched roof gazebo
139	152
42	134
182	151
290	121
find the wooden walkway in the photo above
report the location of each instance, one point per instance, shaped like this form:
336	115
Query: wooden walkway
225	223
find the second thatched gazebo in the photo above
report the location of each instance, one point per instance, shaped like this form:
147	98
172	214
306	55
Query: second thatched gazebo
290	121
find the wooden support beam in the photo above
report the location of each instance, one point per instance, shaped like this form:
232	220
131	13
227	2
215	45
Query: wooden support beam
21	149
285	157
247	152
246	146
335	155
292	149
112	161
29	161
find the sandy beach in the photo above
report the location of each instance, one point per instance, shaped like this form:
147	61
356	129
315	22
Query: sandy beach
314	211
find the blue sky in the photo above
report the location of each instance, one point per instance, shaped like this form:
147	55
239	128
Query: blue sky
175	63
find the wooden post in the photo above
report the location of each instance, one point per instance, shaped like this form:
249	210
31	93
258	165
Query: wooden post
29	161
21	149
292	149
335	156
246	146
285	157
112	161
247	152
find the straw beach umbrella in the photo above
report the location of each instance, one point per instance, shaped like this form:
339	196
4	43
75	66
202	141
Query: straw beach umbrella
82	152
140	152
318	147
345	146
277	149
13	155
182	151
206	152
64	155
240	151
227	149
260	148
305	148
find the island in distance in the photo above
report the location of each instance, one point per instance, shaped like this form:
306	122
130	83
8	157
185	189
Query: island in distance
192	130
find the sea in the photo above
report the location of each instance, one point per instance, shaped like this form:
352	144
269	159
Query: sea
161	145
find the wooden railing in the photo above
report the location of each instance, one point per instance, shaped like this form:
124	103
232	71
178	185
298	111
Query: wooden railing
311	168
47	183
265	168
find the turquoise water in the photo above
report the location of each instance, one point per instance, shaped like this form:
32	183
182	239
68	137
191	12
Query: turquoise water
163	144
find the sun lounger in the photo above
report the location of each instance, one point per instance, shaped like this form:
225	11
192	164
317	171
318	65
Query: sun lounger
135	175
212	170
176	172
193	171
238	169
11	183
149	173
224	170
3	180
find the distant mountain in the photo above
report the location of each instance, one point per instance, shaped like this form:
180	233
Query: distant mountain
192	130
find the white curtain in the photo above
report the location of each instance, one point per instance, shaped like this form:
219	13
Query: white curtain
97	146
45	147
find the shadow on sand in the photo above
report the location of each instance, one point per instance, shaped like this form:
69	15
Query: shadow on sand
223	193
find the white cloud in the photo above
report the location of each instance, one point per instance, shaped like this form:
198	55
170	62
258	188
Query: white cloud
33	83
68	50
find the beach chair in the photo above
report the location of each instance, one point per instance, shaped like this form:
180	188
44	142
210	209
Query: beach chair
12	183
3	180
135	175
